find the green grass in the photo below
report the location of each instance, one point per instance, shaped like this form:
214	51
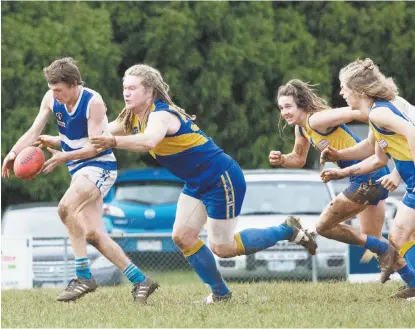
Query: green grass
260	304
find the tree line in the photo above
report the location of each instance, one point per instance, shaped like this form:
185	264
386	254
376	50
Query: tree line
222	60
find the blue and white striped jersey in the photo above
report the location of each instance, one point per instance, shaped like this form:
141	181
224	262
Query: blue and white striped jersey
73	132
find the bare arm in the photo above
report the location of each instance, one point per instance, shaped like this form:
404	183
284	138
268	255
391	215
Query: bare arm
327	119
360	151
38	125
383	117
156	130
298	156
31	135
376	161
116	128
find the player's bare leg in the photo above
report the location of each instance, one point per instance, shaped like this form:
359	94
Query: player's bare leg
371	219
78	195
91	218
331	226
401	236
190	217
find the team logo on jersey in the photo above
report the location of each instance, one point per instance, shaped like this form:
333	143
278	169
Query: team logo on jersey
323	144
59	118
382	143
135	130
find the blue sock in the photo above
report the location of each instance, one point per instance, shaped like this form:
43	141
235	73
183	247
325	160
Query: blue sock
375	245
203	262
255	239
82	269
133	274
407	275
408	252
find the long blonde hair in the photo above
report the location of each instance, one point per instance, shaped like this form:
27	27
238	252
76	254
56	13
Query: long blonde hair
151	78
365	79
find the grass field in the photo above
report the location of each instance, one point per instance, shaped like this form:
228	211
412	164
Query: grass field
260	304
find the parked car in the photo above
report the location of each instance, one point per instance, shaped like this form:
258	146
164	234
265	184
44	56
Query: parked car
271	196
53	257
139	211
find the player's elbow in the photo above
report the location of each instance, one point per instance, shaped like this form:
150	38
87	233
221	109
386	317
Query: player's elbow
381	161
411	137
301	163
148	145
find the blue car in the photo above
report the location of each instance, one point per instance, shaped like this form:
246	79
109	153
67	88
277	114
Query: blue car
140	208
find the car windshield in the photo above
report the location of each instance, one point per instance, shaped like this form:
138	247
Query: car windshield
37	222
149	193
285	197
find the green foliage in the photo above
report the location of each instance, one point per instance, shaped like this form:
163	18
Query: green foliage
222	60
33	35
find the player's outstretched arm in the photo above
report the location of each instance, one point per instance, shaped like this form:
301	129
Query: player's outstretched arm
116	128
295	159
156	130
31	135
48	141
360	151
324	120
376	161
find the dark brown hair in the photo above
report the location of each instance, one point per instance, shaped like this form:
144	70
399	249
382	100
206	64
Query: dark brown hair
63	70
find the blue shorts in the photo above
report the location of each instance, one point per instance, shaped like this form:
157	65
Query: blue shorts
366	192
409	199
223	200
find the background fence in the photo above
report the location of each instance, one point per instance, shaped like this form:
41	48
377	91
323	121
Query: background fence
54	265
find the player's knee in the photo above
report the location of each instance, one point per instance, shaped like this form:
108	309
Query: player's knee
182	241
222	250
93	237
322	228
398	236
63	210
85	192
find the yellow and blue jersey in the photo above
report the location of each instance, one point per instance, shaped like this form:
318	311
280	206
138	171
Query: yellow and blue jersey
189	153
395	146
340	137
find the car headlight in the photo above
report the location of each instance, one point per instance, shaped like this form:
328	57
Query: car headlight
101	262
112	210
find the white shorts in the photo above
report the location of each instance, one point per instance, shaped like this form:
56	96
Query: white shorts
103	179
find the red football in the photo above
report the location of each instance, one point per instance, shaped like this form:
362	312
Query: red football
29	162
